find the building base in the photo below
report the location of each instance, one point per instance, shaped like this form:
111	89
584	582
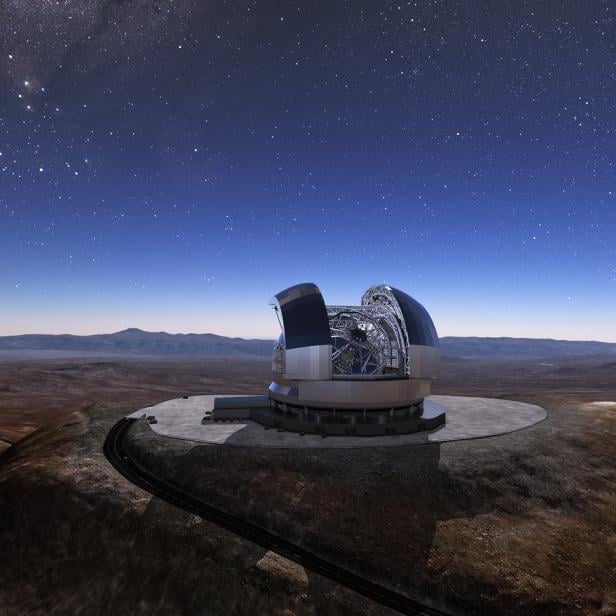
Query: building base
272	413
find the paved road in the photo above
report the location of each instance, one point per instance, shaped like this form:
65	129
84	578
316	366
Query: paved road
119	458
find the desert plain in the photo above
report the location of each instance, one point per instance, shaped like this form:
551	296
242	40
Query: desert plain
517	524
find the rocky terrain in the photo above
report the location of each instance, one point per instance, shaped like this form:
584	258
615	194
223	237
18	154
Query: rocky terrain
516	524
35	393
136	342
77	538
522	348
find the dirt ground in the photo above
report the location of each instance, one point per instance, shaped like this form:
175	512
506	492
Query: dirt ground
78	539
519	524
38	392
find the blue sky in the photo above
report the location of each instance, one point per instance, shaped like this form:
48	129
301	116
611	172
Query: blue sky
172	169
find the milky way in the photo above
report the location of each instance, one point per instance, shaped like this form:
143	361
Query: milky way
171	164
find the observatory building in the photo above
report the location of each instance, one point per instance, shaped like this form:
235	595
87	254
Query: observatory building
349	370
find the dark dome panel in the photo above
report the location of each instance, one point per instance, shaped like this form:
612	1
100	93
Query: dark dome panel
419	324
304	316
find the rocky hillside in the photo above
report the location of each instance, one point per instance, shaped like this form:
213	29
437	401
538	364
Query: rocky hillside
77	538
515	525
135	341
161	344
514	348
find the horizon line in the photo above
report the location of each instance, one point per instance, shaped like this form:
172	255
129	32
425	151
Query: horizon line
273	338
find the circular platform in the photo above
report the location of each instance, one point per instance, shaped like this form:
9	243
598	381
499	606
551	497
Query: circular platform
467	418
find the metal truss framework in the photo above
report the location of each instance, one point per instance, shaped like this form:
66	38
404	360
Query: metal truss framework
371	339
367	340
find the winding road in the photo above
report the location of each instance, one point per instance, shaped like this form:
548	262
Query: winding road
118	456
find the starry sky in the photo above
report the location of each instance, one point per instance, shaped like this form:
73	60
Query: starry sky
171	164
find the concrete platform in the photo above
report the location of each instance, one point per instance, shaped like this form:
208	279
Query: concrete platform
467	418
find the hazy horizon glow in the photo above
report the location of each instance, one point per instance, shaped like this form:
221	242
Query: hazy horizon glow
172	167
457	318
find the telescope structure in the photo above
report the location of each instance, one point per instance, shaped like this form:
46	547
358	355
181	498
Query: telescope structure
351	370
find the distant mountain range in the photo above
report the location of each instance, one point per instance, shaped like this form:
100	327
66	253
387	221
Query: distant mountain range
137	342
521	348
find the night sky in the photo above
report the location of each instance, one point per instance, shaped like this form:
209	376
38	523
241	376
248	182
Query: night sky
171	165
